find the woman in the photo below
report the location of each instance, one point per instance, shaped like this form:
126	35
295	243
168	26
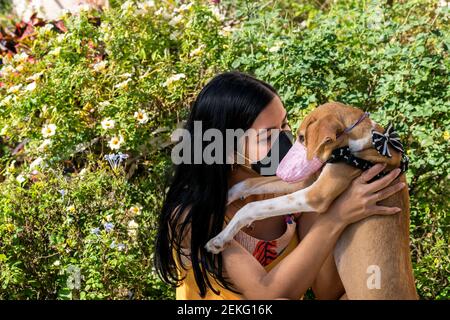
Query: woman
275	258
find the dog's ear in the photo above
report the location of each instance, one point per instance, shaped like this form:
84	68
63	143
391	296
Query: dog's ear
322	134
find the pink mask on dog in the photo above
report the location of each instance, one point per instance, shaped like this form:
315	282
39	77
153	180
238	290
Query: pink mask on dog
295	166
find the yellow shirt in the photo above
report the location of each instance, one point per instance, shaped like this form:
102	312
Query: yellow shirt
189	290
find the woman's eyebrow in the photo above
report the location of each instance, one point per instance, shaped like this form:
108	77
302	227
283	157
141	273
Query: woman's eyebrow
275	127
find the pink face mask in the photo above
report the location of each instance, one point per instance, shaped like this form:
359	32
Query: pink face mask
295	167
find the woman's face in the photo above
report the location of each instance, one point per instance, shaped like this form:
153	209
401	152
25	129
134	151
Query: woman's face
259	140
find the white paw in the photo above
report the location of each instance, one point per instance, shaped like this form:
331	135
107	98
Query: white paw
215	245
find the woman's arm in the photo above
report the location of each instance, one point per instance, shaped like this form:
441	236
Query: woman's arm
297	271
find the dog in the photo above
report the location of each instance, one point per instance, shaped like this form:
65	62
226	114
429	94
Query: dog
340	141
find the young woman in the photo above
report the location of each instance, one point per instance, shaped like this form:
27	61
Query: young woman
275	258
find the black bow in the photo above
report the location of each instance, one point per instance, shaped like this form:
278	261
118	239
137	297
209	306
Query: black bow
380	141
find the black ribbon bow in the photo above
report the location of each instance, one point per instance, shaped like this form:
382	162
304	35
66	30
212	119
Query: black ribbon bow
381	141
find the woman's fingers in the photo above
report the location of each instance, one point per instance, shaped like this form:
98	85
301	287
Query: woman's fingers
372	172
387	192
384	181
381	210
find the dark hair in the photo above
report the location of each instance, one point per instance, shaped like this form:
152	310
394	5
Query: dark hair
231	100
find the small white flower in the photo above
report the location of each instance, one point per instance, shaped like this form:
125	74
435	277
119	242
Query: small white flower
216	13
197	51
174	35
104	104
141	116
146	5
36	163
133	224
71	208
15	89
21	57
276	47
100	66
4	130
108	124
84	7
44	144
20	178
123	84
175	77
126	75
115	142
57	263
47	28
176	20
48	130
35	76
159	11
55	52
226	31
31	86
132	228
136	210
127	5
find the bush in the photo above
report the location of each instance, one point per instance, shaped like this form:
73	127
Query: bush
121	80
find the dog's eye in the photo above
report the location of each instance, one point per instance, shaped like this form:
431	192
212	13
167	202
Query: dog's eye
301	138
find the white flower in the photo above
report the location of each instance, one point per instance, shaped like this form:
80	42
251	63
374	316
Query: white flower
443	3
71	208
108	124
48	130
36	163
57	263
136	210
20	178
276	47
159	11
4	130
7	70
44	144
15	89
174	35
47	28
132	228
35	76
146	5
84	7
226	31
55	52
126	75
115	142
197	51
104	104
127	5
123	84
21	57
141	116
216	13
176	20
100	66
31	86
174	78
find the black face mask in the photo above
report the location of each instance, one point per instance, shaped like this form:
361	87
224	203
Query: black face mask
268	165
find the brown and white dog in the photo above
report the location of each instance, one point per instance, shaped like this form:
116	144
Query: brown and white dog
375	244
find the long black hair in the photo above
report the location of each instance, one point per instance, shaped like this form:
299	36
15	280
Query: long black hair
197	195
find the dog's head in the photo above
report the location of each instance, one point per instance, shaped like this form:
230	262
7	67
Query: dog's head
322	131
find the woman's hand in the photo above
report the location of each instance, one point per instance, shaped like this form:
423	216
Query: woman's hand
359	201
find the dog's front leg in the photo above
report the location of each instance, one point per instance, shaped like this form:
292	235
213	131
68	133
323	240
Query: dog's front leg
333	180
259	210
264	185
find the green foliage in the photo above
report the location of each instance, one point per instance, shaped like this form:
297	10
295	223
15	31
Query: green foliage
120	80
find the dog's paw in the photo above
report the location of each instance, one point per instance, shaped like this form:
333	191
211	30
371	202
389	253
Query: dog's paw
238	191
215	245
